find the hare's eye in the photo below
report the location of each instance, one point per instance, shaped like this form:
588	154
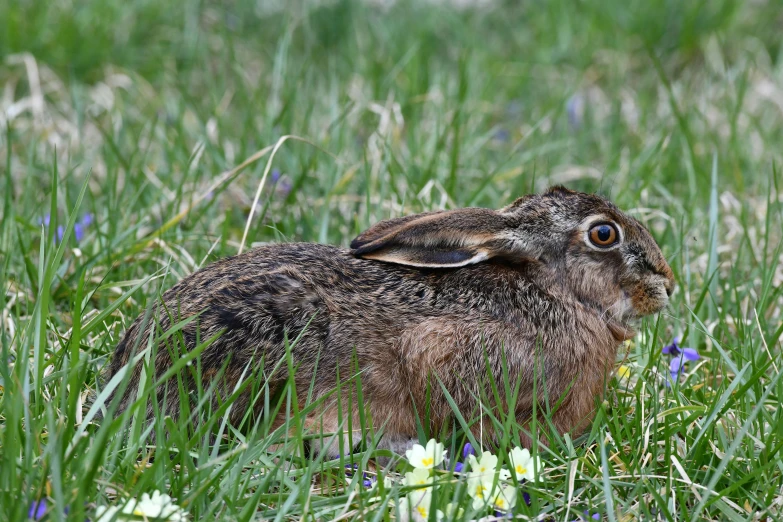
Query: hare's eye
603	235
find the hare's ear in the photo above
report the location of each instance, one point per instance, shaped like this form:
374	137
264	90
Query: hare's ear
436	239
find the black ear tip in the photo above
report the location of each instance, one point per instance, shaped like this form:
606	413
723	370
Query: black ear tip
359	248
363	239
559	189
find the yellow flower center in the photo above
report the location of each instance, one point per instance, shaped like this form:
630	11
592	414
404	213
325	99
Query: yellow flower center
427	461
521	470
480	491
500	502
422	511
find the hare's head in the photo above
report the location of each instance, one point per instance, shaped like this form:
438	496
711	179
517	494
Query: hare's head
605	258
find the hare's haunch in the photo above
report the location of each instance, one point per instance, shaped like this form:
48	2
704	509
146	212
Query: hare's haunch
548	286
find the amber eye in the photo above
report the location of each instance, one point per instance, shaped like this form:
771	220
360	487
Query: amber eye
603	235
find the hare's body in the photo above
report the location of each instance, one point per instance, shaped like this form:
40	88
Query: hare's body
412	326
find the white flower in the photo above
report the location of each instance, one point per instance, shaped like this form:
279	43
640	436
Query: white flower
523	464
416	506
105	514
426	458
157	507
486	465
505	498
480	488
453	512
418	477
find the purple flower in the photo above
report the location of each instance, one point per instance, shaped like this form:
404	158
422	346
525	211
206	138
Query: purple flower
502	135
526	497
673	348
678	363
458	467
285	187
282	185
468	450
81	225
680	356
78	228
37	509
575	109
587	516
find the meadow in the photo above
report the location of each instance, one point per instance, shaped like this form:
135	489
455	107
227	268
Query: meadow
140	140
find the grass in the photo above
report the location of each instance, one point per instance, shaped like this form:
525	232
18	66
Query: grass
131	112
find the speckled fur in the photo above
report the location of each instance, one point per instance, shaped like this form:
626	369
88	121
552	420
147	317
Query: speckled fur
529	286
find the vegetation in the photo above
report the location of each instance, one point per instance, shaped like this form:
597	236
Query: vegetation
142	139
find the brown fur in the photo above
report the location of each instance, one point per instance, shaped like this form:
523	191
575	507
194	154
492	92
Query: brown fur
423	299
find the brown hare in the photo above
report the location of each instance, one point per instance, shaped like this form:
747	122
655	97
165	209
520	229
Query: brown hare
548	286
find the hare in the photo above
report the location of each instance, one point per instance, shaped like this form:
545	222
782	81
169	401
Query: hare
547	287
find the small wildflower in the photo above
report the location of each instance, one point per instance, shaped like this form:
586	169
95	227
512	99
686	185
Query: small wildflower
418	477
468	450
284	187
623	372
588	516
281	184
502	135
680	356
486	464
453	512
674	349
575	109
419	503
426	458
523	465
79	227
458	467
37	509
156	507
480	489
505	498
